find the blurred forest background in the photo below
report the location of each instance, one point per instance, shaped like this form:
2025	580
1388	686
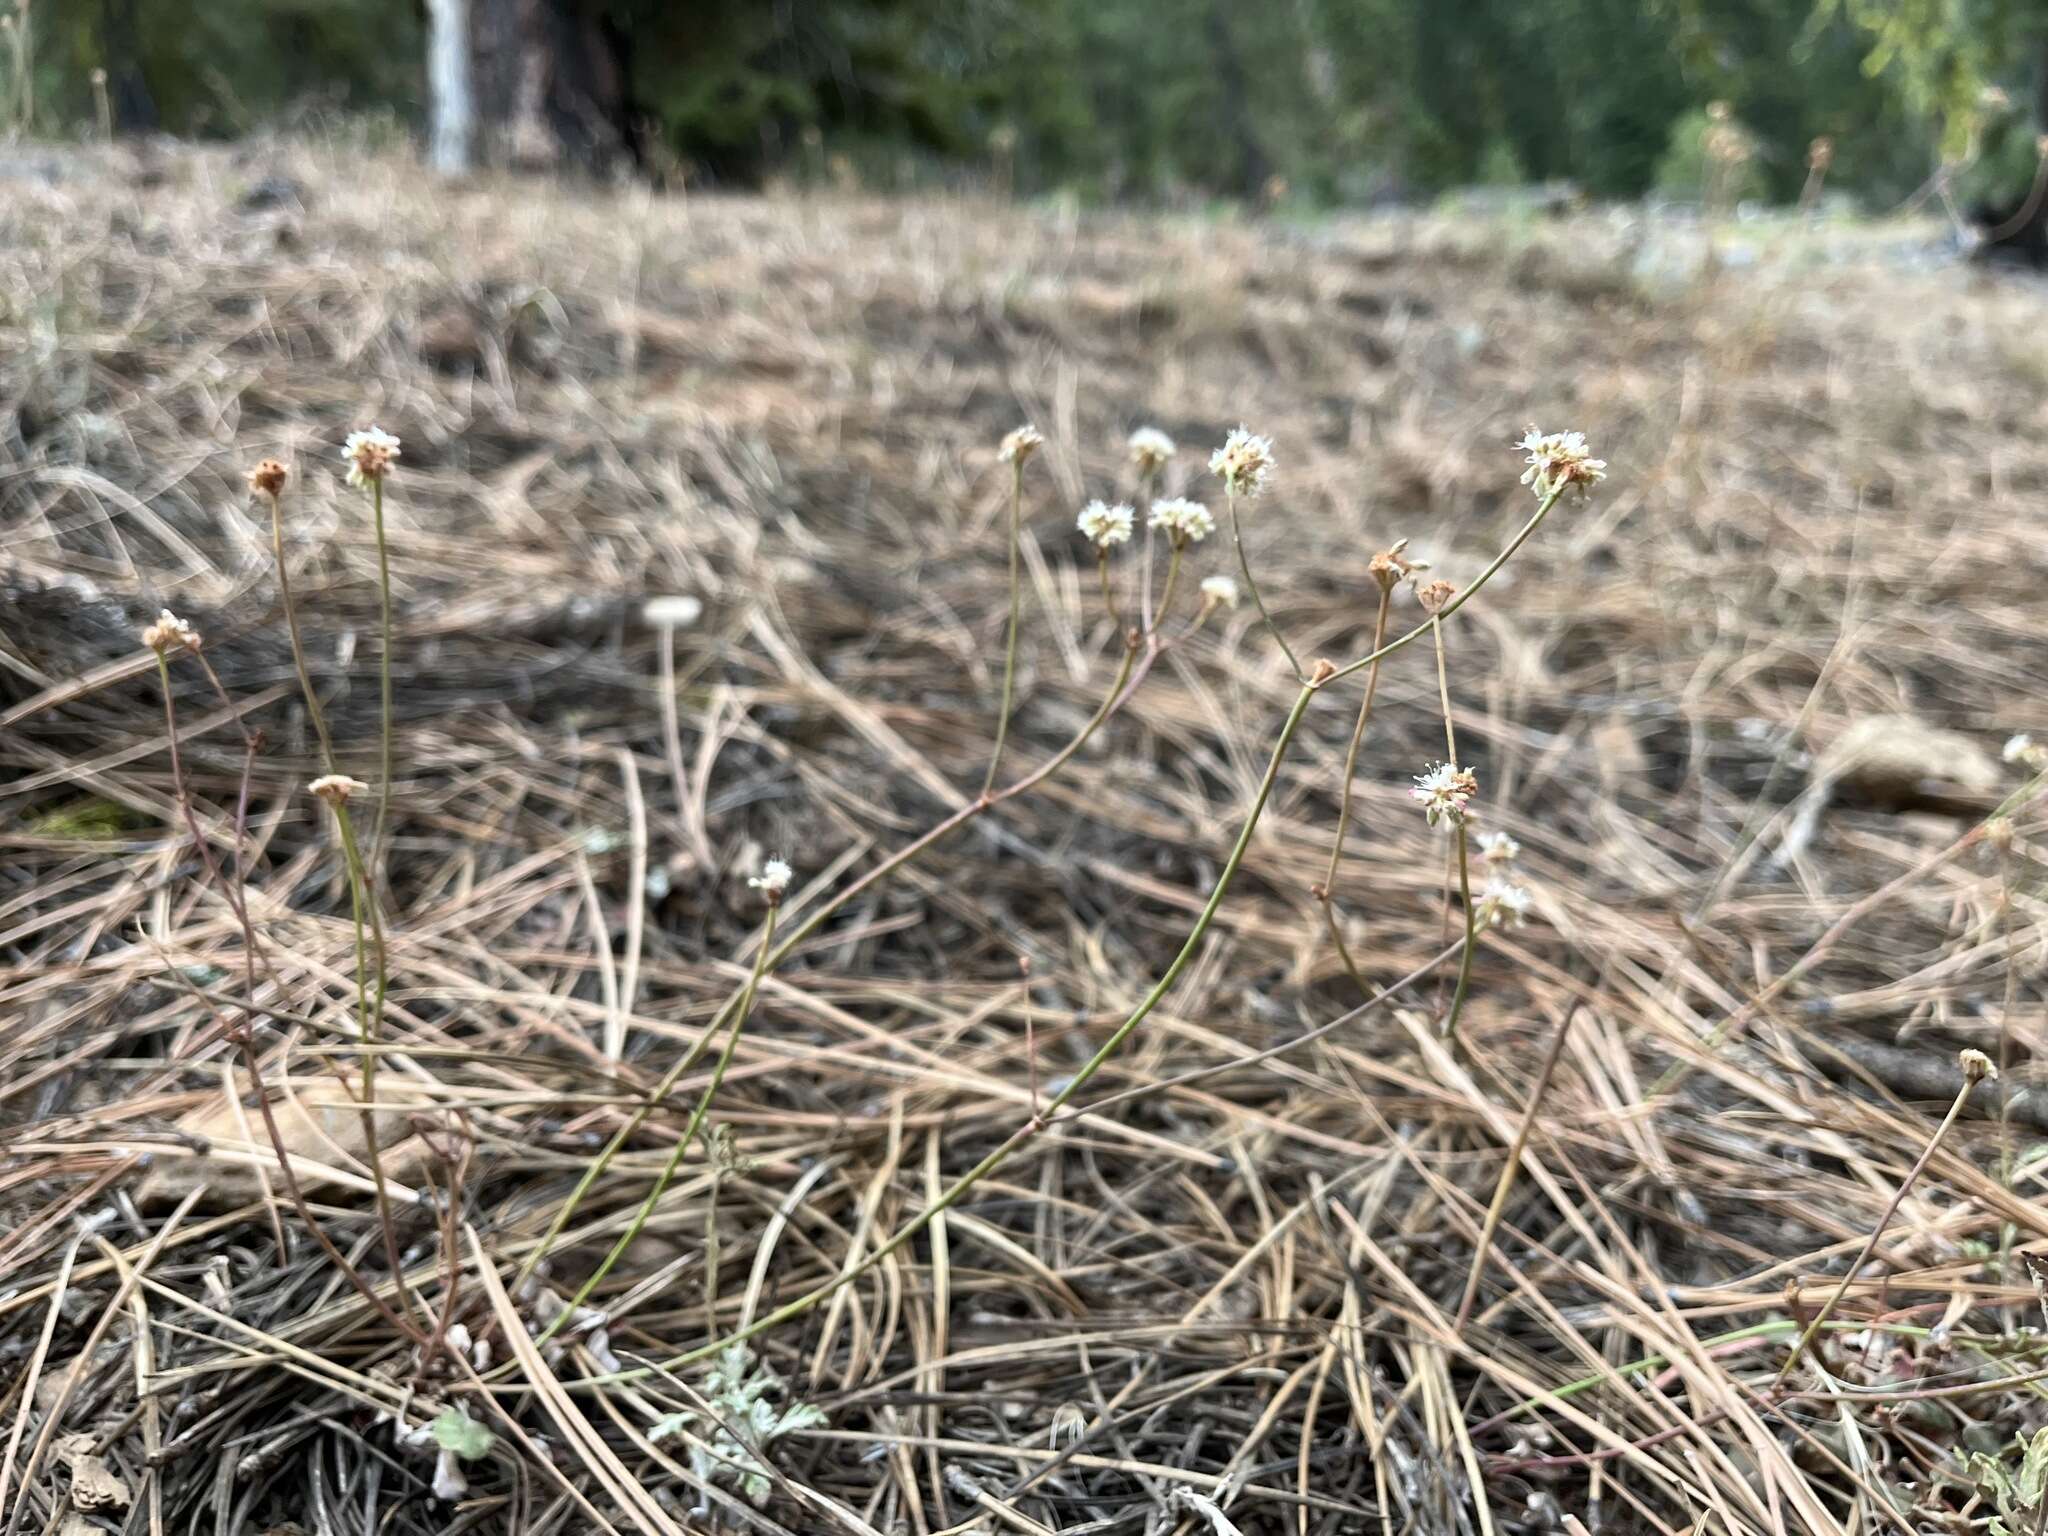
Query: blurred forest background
1322	102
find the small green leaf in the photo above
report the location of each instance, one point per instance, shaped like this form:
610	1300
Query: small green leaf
456	1431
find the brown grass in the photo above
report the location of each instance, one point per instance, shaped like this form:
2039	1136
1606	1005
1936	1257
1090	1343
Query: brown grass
1223	1302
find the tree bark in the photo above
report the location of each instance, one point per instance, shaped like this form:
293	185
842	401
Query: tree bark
550	87
451	138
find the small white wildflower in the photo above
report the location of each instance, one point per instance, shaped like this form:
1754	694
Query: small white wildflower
1185	522
1557	460
1150	449
1244	462
2022	749
1220	590
170	632
1105	525
1019	444
1502	904
1444	792
677	611
773	880
369	455
336	788
1498	848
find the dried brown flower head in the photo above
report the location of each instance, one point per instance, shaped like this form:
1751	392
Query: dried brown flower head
268	478
1976	1066
1435	596
1390	567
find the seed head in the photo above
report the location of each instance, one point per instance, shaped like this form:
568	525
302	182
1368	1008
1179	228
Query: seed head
268	478
1444	793
1435	596
1019	444
1243	462
1559	460
1220	591
1105	525
1390	568
1150	449
170	633
1976	1067
773	880
1185	522
335	788
1503	905
369	455
1498	848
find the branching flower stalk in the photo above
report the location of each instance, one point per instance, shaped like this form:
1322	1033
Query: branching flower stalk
1016	450
1323	674
1438	593
336	790
1409	637
1075	1082
1976	1068
774	891
268	480
1130	673
1386	574
369	455
1243	463
167	634
1514	1162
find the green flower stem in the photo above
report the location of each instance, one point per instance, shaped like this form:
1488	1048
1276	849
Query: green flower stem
1471	938
369	1025
1876	1232
1245	566
1463	835
291	619
1147	488
1119	690
1327	892
1002	1153
1513	1163
995	757
383	673
1407	637
1372	688
1108	593
1172	580
689	1134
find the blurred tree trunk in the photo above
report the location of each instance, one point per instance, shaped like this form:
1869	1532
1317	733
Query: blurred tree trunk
1233	108
549	83
450	88
133	107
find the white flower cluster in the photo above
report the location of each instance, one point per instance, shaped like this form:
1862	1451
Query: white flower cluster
1019	444
170	632
1184	522
336	788
1220	590
1444	793
1105	525
773	880
2021	749
369	455
1244	462
1150	449
1558	460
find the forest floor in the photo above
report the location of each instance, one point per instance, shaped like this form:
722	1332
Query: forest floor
1742	709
